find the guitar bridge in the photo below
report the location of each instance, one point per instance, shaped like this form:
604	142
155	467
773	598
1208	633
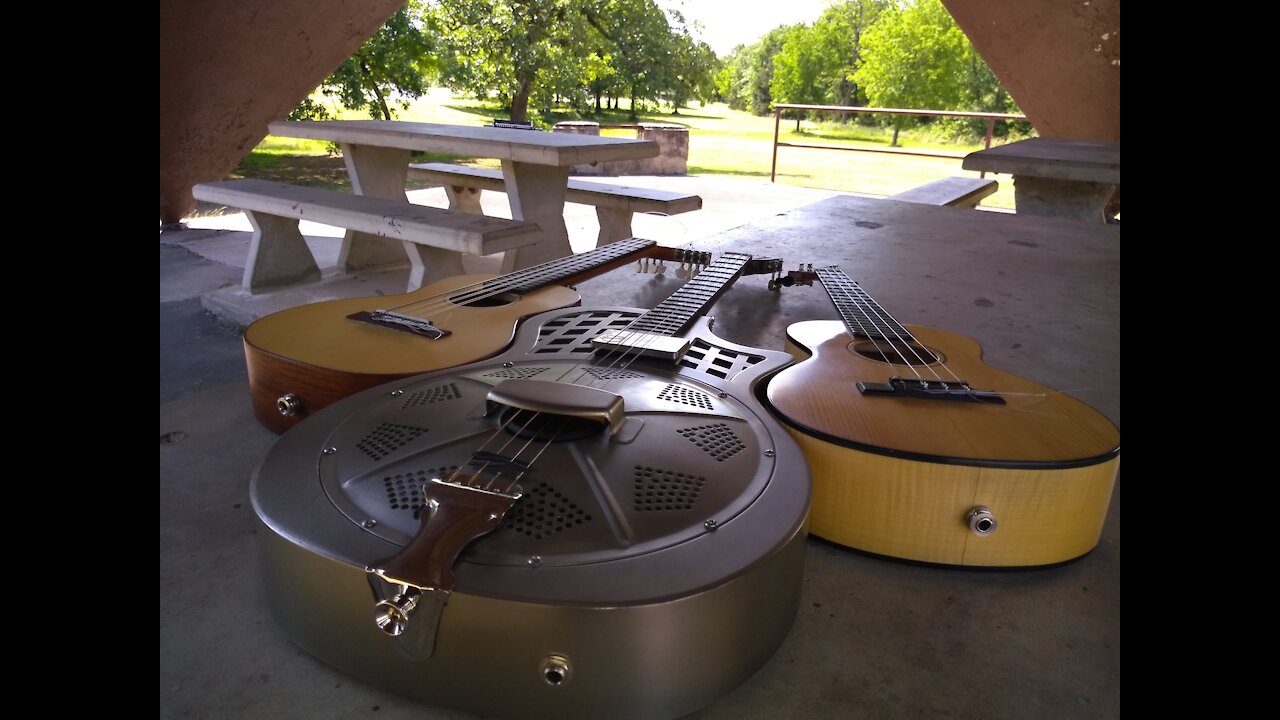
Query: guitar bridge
639	342
931	390
403	323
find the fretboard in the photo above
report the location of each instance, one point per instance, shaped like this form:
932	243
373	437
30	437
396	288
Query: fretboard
862	315
538	276
694	298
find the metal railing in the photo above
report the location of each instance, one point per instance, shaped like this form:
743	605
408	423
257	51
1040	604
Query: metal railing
777	121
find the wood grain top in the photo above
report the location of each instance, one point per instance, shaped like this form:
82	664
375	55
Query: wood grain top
542	148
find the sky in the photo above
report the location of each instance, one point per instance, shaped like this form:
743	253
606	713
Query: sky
726	23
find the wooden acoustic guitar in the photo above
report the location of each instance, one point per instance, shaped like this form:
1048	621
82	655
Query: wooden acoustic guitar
306	357
602	521
921	451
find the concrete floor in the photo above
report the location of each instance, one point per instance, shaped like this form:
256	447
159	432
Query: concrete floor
874	638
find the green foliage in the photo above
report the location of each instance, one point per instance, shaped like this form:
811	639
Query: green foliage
814	64
391	67
309	110
522	52
915	56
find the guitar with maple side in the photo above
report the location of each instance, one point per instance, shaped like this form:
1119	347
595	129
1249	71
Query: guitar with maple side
920	451
306	357
601	521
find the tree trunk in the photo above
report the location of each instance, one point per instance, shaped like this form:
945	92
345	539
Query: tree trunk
373	86
894	142
520	103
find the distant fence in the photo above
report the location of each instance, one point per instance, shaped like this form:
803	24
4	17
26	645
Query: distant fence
991	119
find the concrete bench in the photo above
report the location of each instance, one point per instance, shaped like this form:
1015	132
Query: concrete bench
432	237
615	204
960	192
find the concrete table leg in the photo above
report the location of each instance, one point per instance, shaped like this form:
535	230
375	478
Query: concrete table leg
536	193
376	172
278	255
615	225
1073	199
428	264
464	199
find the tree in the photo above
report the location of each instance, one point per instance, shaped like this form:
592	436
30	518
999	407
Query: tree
814	64
510	48
396	60
915	56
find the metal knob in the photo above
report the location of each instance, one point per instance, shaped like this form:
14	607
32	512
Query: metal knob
289	405
555	670
981	521
392	616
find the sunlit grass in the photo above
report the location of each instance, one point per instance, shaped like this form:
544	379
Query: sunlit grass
722	142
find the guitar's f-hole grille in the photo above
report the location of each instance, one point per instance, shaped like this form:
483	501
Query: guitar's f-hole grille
517	373
608	374
387	438
572	334
404	490
543	512
678	394
434	395
717	361
719	441
664	490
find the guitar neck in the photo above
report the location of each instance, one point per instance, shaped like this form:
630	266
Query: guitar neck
694	298
862	315
573	268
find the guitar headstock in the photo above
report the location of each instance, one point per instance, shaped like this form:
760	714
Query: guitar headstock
691	262
805	275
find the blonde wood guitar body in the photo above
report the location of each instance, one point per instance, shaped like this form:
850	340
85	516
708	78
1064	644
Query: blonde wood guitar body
1026	482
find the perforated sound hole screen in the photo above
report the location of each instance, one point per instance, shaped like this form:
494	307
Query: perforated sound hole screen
718	440
686	396
609	374
572	333
717	361
433	395
657	490
543	512
404	491
387	438
517	372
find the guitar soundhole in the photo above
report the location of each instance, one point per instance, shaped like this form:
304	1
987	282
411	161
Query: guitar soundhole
497	300
894	352
547	427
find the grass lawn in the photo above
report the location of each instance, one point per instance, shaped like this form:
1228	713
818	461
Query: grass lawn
722	142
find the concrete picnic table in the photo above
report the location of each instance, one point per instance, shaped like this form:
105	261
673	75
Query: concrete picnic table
535	166
1055	176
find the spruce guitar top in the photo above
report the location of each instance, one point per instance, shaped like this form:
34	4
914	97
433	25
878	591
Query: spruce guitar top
601	521
921	451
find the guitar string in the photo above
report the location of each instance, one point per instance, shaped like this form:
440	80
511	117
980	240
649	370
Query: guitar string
885	319
941	363
558	428
544	274
836	286
664	323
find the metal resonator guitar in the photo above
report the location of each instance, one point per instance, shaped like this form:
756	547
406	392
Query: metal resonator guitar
603	521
